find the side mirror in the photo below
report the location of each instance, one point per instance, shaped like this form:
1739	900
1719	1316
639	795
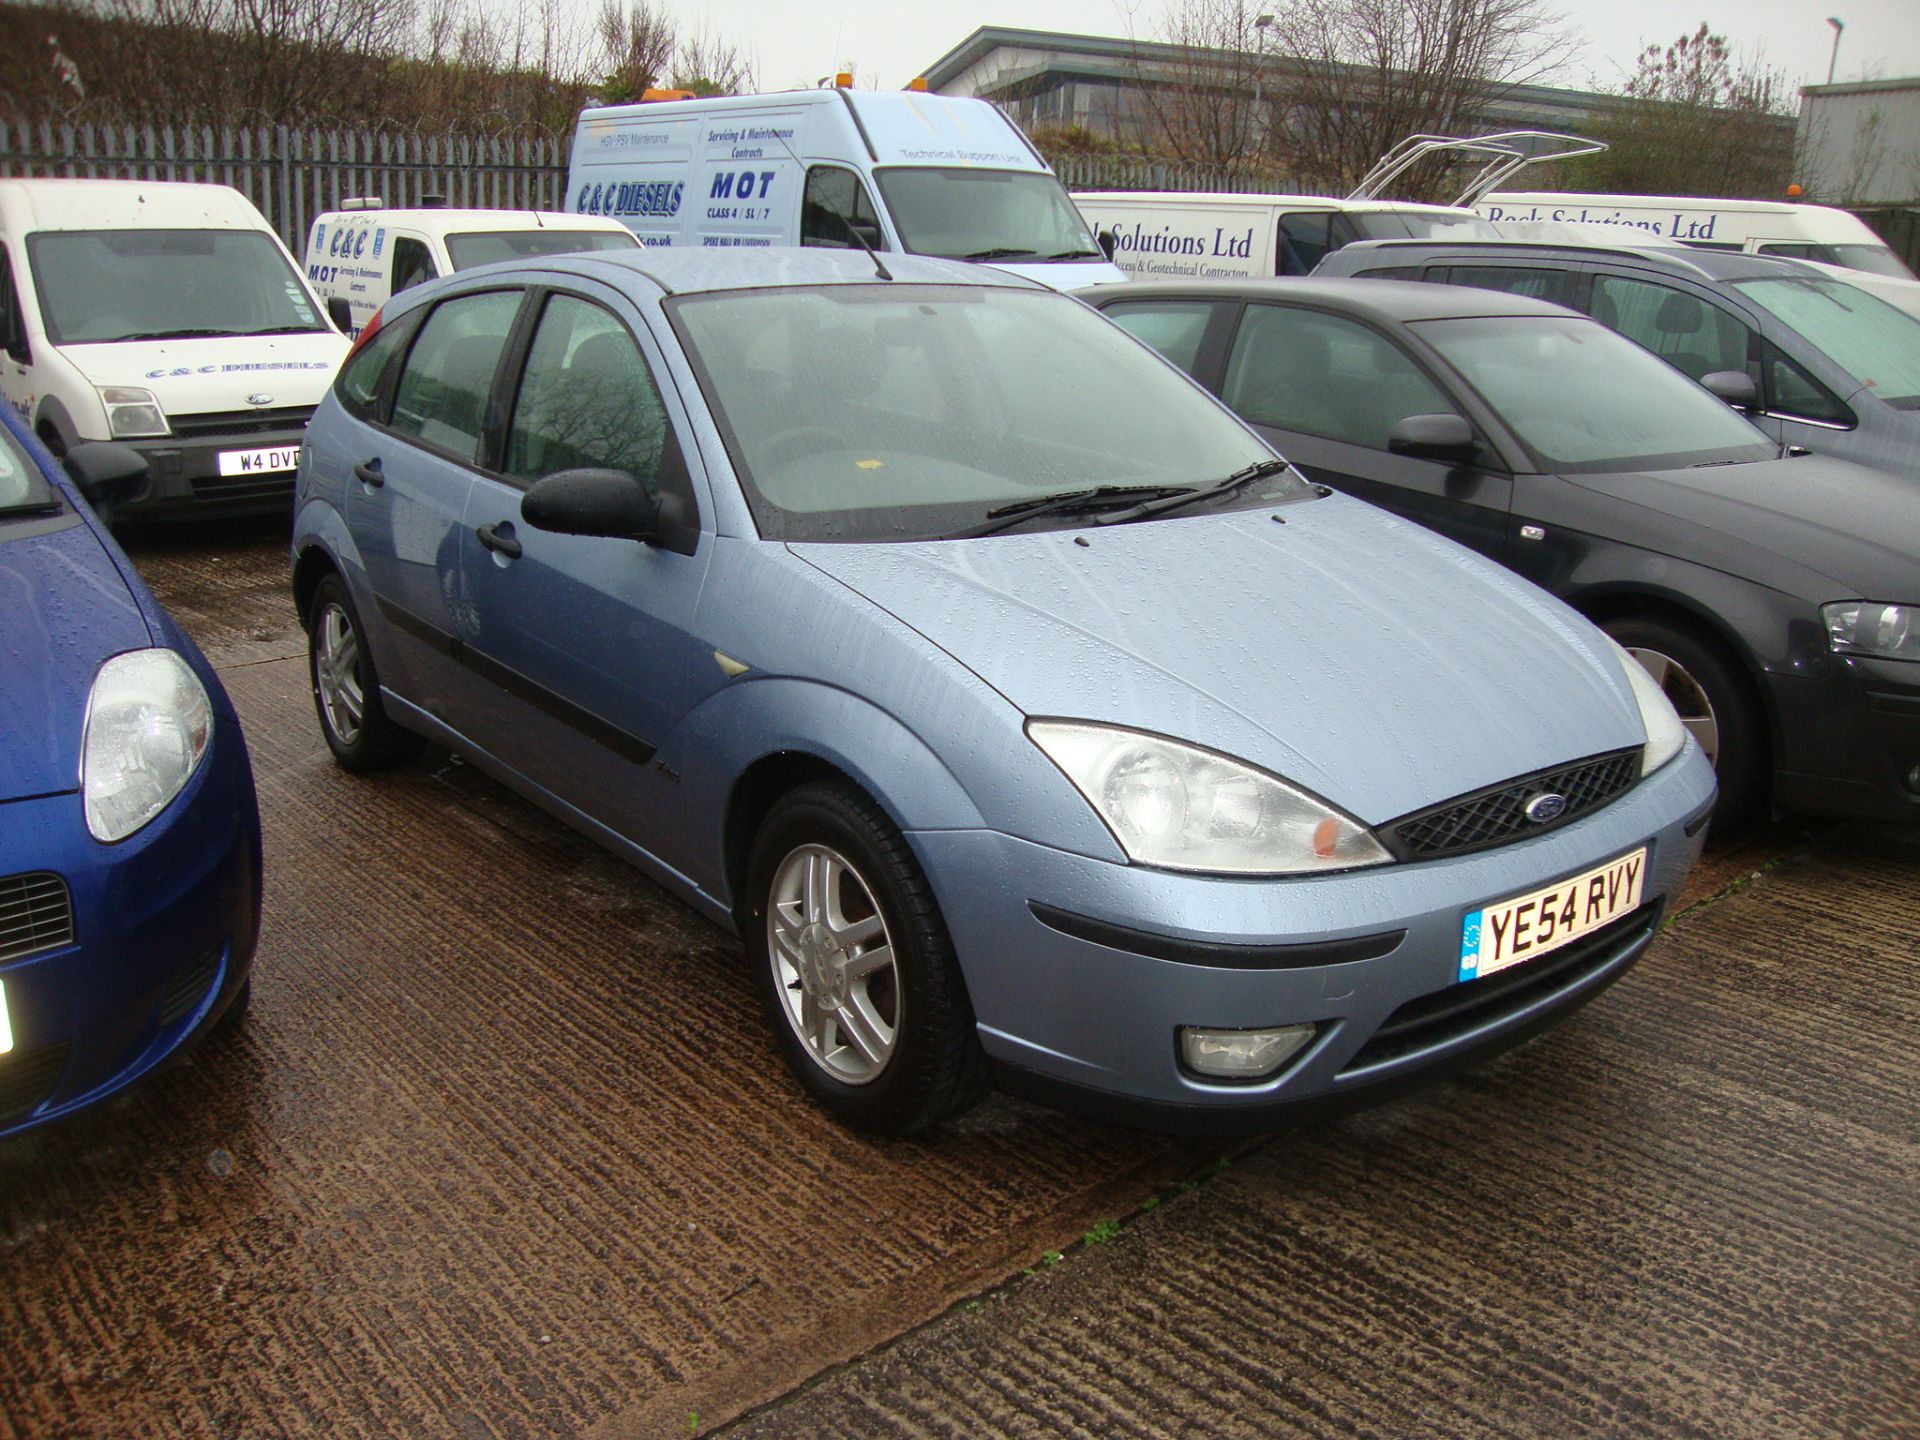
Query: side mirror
593	502
1108	243
106	471
1736	387
1433	437
340	313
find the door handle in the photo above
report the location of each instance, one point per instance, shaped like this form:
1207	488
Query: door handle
369	473
506	545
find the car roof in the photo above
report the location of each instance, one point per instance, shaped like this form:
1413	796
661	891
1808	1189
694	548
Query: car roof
1390	299
681	270
1678	259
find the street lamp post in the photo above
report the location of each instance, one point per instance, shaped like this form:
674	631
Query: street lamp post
1260	24
1834	58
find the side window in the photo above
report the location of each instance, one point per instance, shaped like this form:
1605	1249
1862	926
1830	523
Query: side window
835	205
1305	239
1793	394
586	398
1391	272
441	399
13	325
1324	375
1175	330
412	264
1539	284
1689	334
359	384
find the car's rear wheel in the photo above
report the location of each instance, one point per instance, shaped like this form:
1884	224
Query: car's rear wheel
856	970
1714	703
346	688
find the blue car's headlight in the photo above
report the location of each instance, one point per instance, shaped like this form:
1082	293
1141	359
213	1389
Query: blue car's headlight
1665	733
1183	808
1866	627
148	725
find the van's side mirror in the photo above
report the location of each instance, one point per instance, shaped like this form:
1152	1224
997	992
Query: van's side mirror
340	313
106	471
593	502
1108	243
1736	387
1433	437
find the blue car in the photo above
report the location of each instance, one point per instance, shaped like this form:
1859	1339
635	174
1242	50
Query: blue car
129	836
1028	718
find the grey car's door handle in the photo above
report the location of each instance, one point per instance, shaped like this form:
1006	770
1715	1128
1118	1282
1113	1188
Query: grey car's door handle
369	473
506	545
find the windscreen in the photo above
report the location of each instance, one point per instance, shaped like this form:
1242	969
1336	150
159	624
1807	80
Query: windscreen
1018	215
485	247
21	487
1876	343
98	286
879	412
1419	225
1874	259
1584	398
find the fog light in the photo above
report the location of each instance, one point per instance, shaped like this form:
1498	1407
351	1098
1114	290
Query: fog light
1913	777
1241	1054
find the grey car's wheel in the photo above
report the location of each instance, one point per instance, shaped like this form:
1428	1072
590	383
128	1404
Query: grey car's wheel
346	688
1714	704
857	973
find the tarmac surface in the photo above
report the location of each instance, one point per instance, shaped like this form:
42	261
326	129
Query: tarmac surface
504	1149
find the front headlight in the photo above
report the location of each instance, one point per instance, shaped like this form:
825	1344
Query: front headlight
148	725
1183	808
132	414
1665	733
1867	627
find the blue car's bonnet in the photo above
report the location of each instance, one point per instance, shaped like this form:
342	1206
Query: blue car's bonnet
1361	657
64	608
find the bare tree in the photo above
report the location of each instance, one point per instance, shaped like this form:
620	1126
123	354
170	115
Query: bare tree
1694	119
1197	86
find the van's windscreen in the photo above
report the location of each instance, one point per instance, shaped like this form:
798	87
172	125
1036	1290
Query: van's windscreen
1018	215
1874	259
1866	337
99	286
488	246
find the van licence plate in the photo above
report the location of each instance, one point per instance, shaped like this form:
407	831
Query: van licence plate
259	462
1513	930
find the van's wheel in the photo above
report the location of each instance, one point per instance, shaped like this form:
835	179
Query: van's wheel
1714	702
855	967
346	689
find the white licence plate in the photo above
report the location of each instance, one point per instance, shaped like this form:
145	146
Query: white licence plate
6	1025
1528	925
259	462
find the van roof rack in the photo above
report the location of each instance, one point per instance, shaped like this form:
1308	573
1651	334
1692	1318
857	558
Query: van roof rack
1505	153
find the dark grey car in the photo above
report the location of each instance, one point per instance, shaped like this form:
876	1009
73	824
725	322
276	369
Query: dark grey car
1835	369
1776	598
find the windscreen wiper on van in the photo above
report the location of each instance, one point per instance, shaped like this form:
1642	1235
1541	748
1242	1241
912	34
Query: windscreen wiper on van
999	252
1078	255
182	334
1187	495
1068	502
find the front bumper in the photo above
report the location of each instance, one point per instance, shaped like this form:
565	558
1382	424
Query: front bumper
183	469
163	935
1848	739
1085	1023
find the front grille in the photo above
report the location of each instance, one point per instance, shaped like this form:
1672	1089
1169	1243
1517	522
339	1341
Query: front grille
36	913
187	989
224	423
1429	1021
274	485
27	1080
1498	813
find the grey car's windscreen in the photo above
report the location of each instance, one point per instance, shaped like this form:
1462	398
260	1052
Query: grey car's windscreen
984	214
1876	343
880	412
1583	398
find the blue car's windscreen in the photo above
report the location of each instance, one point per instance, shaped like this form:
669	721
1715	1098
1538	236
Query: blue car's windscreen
891	411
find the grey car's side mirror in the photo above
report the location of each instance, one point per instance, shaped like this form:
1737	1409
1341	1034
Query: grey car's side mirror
1433	437
106	471
340	313
593	502
1736	387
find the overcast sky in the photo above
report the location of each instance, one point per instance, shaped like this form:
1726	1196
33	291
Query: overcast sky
894	40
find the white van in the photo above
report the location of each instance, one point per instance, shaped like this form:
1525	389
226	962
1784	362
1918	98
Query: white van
1760	227
359	256
168	316
931	174
1161	233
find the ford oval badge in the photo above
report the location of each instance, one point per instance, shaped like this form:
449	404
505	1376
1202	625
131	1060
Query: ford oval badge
259	399
1542	809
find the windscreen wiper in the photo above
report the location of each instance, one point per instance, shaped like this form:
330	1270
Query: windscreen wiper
1068	502
184	334
998	252
1078	255
1260	469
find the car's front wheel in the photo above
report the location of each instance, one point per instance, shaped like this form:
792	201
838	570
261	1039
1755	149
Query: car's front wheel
346	688
1713	702
856	970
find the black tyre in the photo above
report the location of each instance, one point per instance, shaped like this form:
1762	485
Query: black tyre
855	967
1714	702
236	1012
346	688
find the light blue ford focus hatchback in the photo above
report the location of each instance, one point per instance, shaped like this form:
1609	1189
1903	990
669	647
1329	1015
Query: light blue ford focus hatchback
1029	720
